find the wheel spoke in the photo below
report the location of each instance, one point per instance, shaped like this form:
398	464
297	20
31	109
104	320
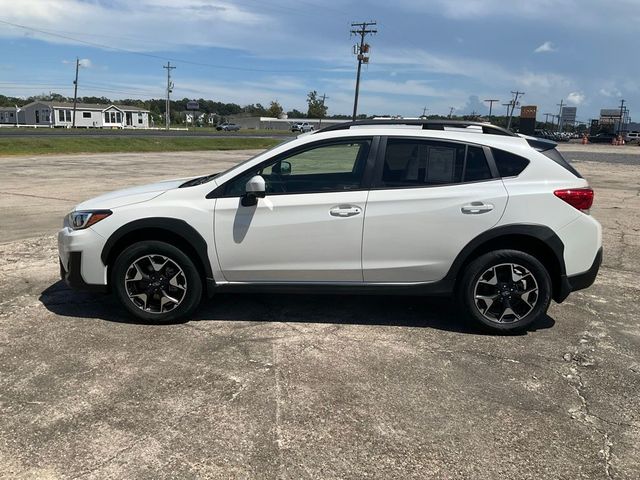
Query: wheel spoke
174	281
141	296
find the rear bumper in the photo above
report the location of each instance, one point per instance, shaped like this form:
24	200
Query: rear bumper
580	281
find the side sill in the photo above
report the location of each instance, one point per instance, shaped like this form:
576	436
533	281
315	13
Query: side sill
441	288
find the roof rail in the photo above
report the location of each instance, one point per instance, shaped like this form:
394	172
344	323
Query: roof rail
426	125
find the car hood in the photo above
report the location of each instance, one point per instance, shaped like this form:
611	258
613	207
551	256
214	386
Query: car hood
128	196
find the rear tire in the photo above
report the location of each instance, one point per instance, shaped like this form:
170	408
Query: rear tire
505	290
156	282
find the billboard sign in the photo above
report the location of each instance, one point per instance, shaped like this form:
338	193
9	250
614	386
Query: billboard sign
193	105
528	111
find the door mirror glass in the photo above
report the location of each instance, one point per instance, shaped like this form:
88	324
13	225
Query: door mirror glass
281	168
254	189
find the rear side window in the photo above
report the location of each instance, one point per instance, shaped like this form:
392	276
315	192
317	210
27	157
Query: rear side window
410	162
509	165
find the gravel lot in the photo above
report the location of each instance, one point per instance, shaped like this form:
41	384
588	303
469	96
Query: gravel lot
279	386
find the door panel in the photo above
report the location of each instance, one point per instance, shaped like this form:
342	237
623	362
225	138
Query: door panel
413	235
291	238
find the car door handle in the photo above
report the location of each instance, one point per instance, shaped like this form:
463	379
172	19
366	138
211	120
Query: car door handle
475	208
345	211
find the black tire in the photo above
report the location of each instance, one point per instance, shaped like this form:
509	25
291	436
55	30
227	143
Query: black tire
178	279
527	298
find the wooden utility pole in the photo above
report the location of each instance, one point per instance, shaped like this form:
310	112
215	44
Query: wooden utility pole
75	94
167	109
361	50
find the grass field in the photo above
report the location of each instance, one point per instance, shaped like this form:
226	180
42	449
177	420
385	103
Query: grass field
43	146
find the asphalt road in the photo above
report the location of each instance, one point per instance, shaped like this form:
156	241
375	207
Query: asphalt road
282	386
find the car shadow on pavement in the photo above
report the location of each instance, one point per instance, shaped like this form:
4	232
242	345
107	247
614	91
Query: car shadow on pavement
388	310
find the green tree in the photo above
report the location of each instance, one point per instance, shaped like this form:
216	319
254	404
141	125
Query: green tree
317	108
275	110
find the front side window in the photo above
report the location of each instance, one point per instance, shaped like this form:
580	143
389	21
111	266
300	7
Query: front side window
86	114
106	117
61	115
68	115
326	168
422	163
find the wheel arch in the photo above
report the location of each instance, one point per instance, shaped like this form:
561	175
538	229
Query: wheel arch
174	231
537	240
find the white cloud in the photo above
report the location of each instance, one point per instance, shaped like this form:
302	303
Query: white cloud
546	47
610	92
576	98
86	63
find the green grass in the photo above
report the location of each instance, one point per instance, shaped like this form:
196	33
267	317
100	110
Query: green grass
62	145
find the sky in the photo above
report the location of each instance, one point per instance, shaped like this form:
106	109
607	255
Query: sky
433	54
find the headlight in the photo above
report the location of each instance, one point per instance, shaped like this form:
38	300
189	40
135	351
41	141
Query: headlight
84	219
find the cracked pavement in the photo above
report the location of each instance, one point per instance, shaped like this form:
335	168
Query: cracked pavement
283	386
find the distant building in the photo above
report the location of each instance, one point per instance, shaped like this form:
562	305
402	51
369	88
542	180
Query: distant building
8	115
60	114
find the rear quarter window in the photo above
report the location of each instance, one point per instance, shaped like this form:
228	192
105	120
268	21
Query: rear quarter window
557	157
509	165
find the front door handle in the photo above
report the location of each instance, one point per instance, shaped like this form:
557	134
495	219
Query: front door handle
345	211
475	208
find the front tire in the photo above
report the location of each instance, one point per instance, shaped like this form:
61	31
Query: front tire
506	290
156	282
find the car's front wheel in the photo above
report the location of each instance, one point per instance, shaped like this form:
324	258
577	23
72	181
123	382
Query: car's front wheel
156	282
506	290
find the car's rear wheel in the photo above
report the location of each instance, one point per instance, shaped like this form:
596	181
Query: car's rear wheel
506	290
156	282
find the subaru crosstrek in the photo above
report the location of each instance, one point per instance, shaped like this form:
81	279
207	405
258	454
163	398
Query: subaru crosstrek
498	220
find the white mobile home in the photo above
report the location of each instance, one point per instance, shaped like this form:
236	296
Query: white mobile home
60	114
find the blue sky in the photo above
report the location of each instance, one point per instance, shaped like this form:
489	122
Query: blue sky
427	53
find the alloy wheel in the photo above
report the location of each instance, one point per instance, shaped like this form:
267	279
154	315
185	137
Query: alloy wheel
506	293
155	284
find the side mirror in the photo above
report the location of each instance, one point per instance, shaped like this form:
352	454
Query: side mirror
281	168
254	189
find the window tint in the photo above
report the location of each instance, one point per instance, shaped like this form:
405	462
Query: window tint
327	168
509	165
557	157
476	167
410	162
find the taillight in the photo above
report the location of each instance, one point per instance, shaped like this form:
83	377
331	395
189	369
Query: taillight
580	198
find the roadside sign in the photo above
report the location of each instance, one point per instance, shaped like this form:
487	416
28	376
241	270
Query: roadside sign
193	105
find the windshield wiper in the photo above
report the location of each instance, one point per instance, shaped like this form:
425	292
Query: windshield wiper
199	180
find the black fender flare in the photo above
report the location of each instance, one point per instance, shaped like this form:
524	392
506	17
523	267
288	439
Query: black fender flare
538	232
173	226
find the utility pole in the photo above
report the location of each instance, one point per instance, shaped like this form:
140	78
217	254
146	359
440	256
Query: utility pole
514	103
361	50
167	119
75	93
561	104
491	102
451	109
324	97
622	111
424	112
546	119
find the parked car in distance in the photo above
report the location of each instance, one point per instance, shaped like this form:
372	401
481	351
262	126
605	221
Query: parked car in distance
633	137
603	137
302	127
498	222
228	127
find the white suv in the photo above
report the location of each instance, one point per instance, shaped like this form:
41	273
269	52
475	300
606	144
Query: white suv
414	207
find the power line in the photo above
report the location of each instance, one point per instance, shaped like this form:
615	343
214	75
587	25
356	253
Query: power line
361	51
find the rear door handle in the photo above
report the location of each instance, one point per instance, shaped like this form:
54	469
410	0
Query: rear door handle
345	211
475	208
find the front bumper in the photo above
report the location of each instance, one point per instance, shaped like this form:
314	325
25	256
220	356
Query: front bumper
580	281
80	262
72	274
